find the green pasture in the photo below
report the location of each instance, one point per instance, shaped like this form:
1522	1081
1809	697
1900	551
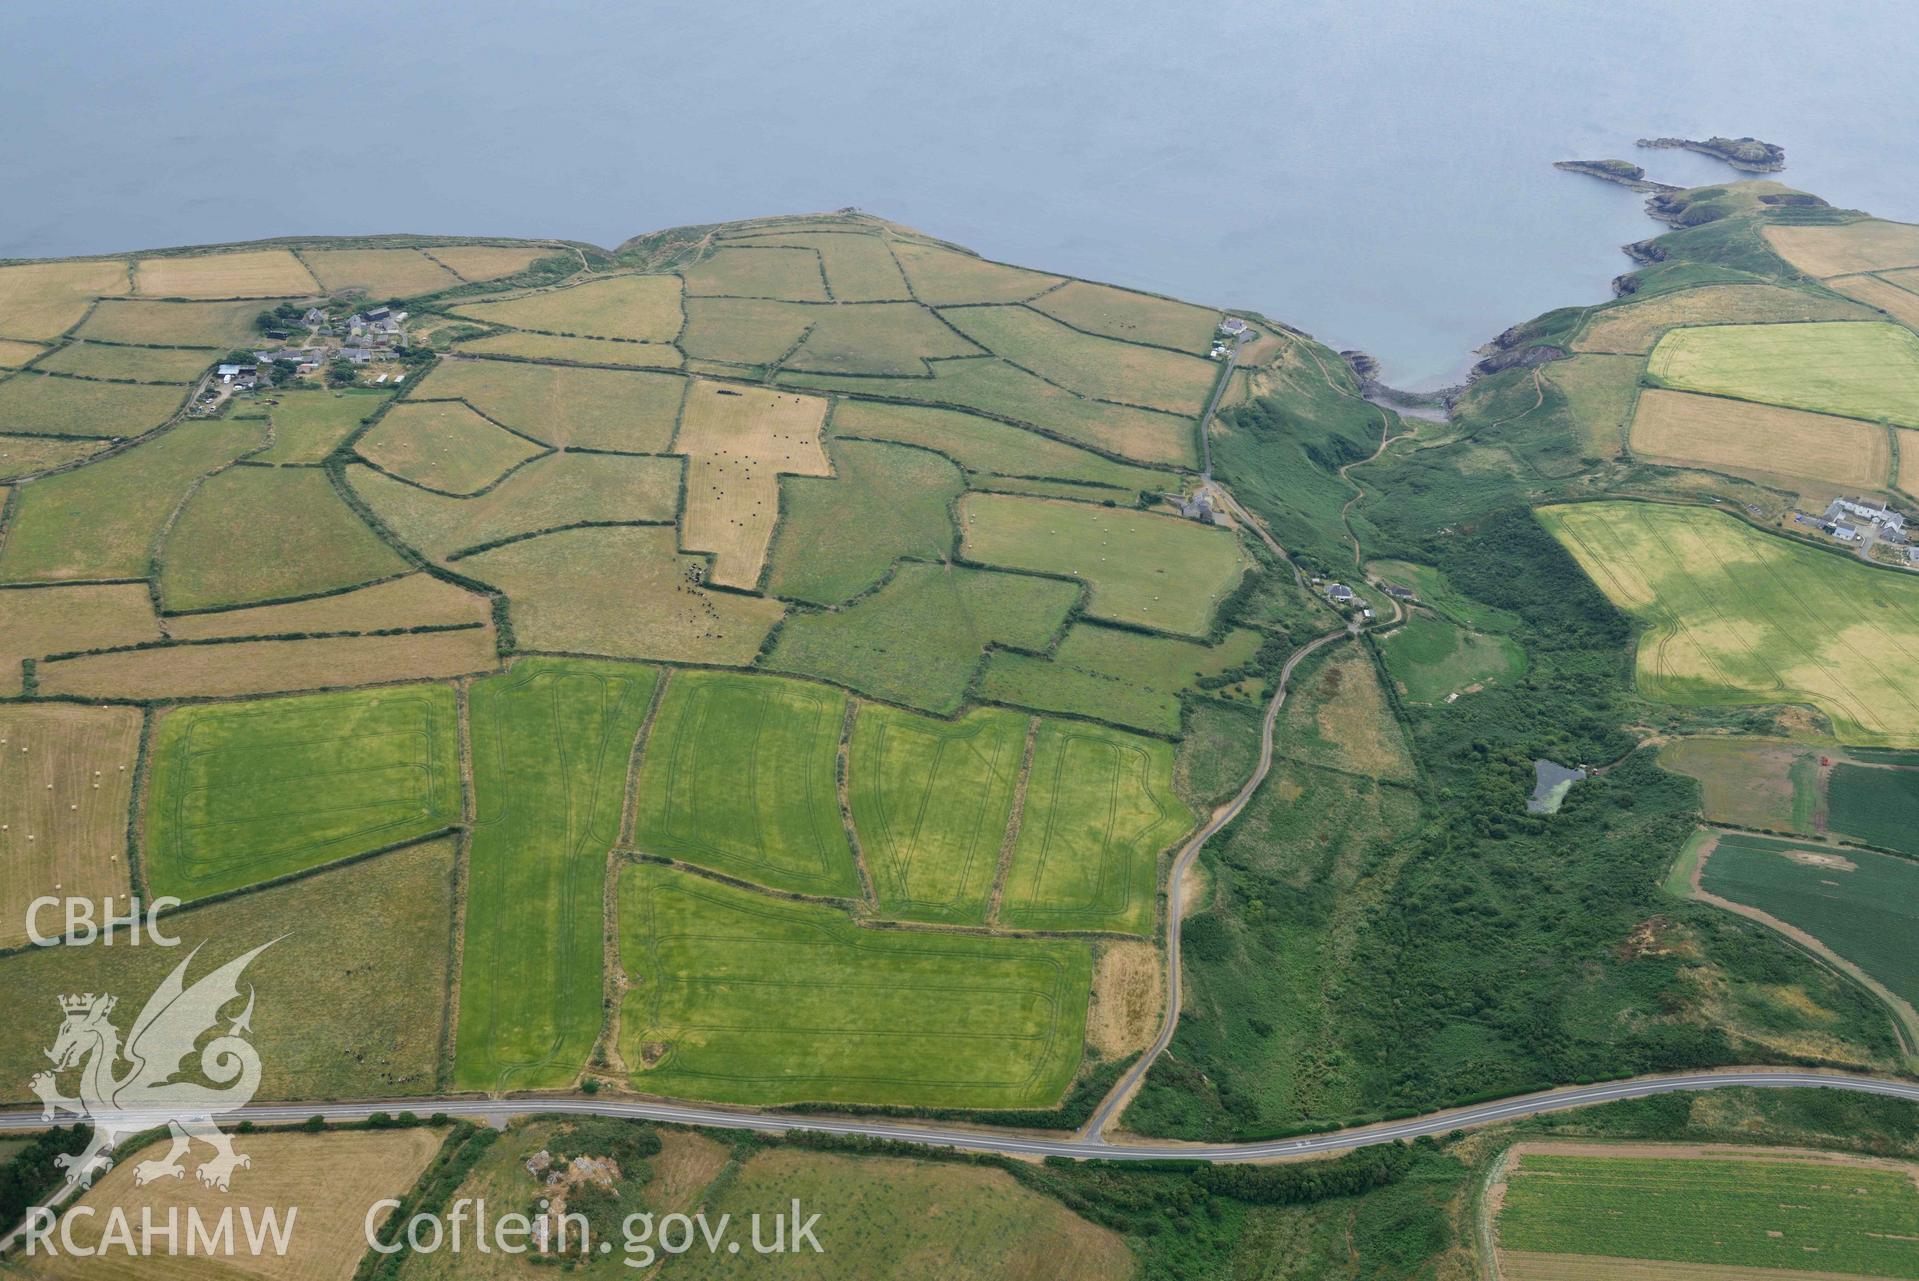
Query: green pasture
920	638
992	448
1432	658
931	800
1868	913
741	775
1437	593
1752	782
1877	806
839	534
46	405
1048	686
1100	806
1731	615
244	792
1122	372
552	739
1152	571
1737	1213
309	424
740	997
1860	370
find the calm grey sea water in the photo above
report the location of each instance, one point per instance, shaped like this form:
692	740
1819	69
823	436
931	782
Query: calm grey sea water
1375	172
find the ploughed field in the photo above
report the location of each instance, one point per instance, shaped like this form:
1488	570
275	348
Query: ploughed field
801	612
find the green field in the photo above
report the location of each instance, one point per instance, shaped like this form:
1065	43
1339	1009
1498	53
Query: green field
101	520
1867	912
1115	674
1121	372
740	775
1867	370
443	446
267	533
919	639
1752	782
244	792
881	338
136	364
1048	686
1746	1213
991	448
739	997
352	996
996	387
1152	571
840	534
310	424
1431	658
1100	806
185	324
1437	593
1732	615
552	739
45	405
930	801
578	408
1877	806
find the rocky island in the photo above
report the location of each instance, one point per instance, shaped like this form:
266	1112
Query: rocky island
1623	172
1749	155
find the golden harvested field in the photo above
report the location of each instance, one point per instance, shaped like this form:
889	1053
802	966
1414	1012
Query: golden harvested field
577	351
1730	435
1132	317
1124	373
444	446
625	592
562	489
66	780
747	331
57	620
418	600
45	299
101	520
271	666
139	364
334	1178
28	455
1872	245
909	1220
1906	278
565	407
859	268
251	273
1902	305
382	273
1129	991
792	274
180	324
14	354
944	276
266	533
486	262
45	405
638	308
1634	327
876	338
738	441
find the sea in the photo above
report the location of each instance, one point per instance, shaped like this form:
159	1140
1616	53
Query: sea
1378	174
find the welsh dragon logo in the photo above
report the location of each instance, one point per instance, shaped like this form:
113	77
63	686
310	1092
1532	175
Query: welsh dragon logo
148	1093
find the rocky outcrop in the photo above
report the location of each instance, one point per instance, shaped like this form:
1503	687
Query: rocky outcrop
1645	251
1748	155
1623	172
1513	350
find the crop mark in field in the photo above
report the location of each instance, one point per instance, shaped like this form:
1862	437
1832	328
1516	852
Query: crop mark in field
683	793
393	797
1112	765
555	753
734	953
901	834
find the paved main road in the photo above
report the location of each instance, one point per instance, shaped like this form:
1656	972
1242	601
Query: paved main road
1027	1143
